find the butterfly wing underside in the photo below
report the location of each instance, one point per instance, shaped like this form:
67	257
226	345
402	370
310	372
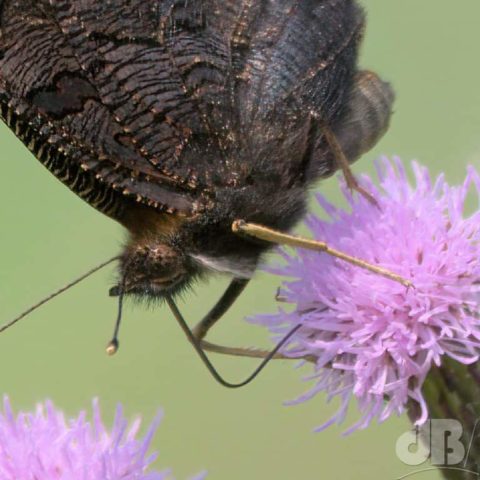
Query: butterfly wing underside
153	101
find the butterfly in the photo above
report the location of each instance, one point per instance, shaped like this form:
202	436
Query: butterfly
179	118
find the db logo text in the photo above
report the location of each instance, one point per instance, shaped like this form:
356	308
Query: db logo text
440	443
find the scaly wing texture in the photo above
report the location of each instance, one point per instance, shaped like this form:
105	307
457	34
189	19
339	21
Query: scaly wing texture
296	74
162	102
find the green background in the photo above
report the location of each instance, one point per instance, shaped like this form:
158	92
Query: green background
429	50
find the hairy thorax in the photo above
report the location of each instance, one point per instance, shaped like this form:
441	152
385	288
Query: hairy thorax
165	252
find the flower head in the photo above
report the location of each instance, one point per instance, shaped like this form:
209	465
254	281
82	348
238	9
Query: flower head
45	446
372	339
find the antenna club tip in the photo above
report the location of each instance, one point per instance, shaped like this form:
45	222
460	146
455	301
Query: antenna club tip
112	348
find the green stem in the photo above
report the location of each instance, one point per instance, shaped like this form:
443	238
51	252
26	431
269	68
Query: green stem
453	392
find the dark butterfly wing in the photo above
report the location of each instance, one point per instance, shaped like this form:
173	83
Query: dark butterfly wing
104	84
160	102
298	52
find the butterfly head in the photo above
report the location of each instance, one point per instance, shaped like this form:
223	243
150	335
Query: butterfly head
153	270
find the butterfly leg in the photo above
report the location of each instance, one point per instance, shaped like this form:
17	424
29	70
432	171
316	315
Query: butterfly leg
344	165
364	121
196	343
240	351
261	232
200	331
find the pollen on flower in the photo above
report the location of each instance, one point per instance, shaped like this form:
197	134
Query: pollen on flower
44	445
373	340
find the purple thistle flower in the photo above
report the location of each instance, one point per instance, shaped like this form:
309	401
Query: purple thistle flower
45	446
371	339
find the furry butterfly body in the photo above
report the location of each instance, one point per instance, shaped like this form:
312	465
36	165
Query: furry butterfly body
178	117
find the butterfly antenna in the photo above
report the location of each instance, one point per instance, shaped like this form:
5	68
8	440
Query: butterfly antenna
203	356
7	325
112	347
